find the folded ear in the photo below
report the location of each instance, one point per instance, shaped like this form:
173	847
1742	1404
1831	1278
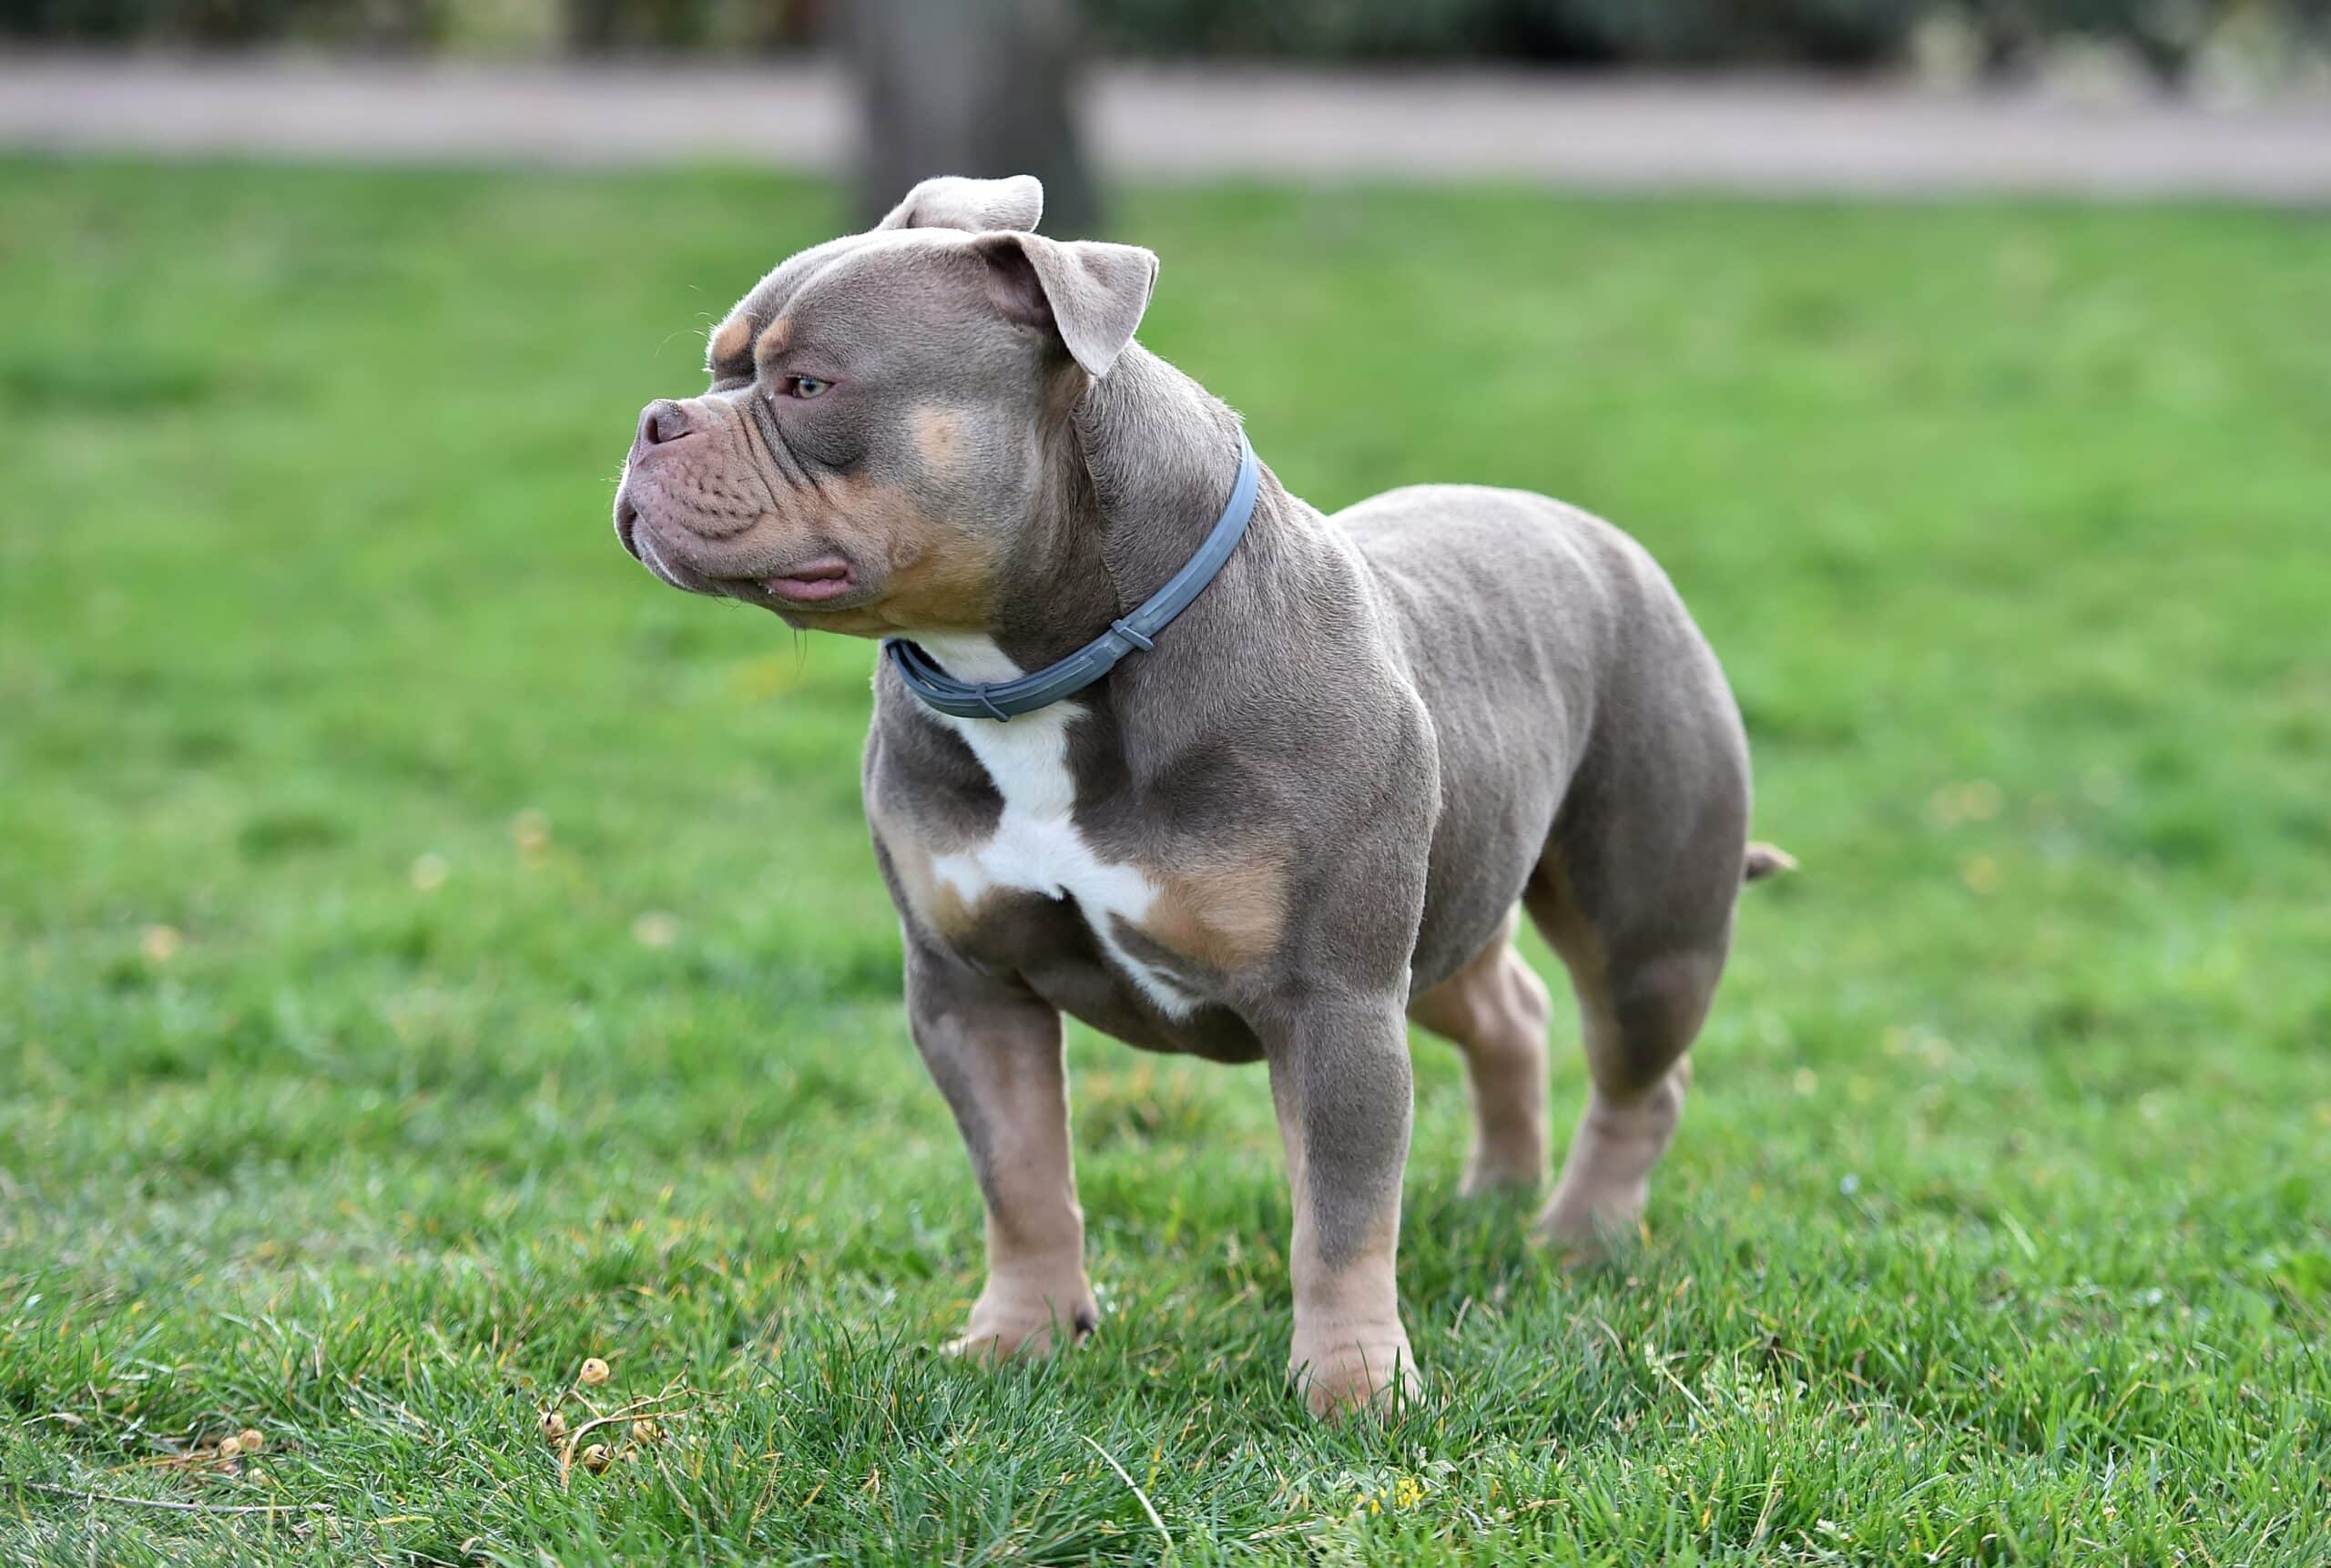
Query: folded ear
950	201
1091	294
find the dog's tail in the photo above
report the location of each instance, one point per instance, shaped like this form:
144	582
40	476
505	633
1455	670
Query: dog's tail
1766	861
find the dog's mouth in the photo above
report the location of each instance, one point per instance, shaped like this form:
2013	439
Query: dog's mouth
817	582
820	581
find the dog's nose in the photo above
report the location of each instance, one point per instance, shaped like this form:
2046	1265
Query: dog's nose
660	423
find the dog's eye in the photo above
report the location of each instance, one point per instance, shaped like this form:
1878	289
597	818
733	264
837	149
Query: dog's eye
804	387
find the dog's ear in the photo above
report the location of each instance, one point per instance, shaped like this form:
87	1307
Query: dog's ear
1089	293
950	201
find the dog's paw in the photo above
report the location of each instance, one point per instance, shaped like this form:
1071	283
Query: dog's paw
1371	1374
1494	1177
1017	1325
1587	1229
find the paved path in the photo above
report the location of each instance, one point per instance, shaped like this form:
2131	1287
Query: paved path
1762	135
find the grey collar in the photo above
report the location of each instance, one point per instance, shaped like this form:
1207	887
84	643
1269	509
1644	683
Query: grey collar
1001	699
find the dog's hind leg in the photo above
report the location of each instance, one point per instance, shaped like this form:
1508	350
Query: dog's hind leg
1494	1010
1639	905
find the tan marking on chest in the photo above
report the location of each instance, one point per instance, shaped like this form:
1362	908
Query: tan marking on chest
1228	917
937	905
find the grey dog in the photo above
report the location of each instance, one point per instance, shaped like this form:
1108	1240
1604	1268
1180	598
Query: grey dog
1306	816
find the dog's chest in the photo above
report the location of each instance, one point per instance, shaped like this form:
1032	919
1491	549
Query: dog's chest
1037	847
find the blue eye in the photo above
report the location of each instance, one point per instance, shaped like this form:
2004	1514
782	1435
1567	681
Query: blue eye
806	387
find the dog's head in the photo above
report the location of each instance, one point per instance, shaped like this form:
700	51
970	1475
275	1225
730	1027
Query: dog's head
869	446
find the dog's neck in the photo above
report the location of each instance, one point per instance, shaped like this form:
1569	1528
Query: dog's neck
1162	454
1133	480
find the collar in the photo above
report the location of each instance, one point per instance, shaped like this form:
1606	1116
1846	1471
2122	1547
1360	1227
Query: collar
1001	699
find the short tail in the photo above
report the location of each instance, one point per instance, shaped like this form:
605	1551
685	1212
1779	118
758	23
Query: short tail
1766	861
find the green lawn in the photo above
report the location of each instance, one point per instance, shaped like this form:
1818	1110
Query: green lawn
431	953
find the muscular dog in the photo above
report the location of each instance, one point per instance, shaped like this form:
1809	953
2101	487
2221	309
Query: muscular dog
1305	815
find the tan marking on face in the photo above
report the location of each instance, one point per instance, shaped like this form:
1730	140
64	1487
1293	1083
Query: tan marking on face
934	574
938	438
938	577
773	338
1228	917
729	343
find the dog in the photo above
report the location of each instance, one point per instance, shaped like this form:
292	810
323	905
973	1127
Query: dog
1303	814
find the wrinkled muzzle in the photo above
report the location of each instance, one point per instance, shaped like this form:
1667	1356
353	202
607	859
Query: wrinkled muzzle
697	506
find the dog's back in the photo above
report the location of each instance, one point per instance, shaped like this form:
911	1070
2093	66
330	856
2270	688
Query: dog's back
1568	685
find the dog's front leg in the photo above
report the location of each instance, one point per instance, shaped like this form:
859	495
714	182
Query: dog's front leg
1340	1078
996	1054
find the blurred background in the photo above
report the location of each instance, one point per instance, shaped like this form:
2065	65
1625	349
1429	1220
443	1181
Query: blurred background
431	952
1805	94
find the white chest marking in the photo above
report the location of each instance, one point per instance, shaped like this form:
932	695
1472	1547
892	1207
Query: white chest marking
1036	847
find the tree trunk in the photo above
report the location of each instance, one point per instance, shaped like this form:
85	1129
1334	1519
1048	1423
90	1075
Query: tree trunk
978	87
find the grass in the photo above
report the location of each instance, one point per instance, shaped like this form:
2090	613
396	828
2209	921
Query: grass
430	953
